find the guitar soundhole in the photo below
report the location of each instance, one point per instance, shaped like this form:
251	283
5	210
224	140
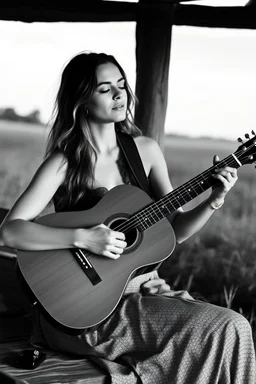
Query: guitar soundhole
132	235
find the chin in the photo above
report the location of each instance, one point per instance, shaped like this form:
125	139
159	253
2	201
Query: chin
119	118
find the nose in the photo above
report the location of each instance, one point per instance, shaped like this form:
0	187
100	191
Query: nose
117	94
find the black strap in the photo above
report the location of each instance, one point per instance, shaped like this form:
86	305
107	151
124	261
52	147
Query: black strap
133	159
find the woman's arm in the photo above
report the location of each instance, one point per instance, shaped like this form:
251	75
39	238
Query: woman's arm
18	230
187	223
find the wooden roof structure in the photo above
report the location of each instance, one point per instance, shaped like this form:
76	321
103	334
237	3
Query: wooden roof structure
154	20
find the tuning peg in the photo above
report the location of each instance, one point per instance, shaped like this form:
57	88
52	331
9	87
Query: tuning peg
247	136
253	132
240	140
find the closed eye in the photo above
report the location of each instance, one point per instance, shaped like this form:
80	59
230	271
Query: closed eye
107	90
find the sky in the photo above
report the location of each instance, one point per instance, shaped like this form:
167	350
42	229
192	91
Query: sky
212	77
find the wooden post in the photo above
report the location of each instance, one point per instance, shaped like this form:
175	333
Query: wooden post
153	43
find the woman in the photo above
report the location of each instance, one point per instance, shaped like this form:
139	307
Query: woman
155	335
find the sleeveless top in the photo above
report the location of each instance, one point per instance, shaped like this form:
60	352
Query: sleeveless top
93	196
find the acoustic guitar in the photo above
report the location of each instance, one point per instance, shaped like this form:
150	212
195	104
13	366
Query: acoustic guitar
79	289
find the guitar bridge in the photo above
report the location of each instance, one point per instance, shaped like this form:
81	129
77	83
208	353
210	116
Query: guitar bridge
86	266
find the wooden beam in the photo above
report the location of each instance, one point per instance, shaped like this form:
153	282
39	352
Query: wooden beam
215	17
83	11
153	42
112	11
77	11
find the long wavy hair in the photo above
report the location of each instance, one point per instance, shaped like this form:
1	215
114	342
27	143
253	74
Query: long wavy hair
70	133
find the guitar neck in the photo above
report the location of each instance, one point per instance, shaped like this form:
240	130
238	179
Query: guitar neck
182	195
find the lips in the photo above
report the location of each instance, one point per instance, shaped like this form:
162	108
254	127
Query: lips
118	106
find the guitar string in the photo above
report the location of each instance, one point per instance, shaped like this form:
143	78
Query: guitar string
129	223
133	220
139	218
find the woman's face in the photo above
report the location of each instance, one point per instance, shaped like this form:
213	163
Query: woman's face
109	101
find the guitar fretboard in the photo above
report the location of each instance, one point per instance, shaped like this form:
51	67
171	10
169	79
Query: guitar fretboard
180	196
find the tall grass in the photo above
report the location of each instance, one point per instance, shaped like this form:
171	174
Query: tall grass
217	264
22	148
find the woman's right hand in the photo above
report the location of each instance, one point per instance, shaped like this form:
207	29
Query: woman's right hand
101	240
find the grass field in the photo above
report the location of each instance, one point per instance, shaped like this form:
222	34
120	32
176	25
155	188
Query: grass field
217	264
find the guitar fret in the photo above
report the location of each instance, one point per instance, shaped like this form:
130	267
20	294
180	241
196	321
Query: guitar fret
140	223
191	192
150	220
201	184
160	214
206	180
152	217
180	196
188	192
164	207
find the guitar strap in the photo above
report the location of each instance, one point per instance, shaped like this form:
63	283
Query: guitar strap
132	156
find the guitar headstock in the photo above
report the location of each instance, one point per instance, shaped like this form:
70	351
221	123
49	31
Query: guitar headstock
246	152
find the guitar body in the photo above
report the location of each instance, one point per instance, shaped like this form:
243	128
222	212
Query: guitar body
60	284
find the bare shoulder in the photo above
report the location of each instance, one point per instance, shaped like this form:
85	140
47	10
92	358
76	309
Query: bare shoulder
57	161
145	142
41	189
149	151
54	166
147	145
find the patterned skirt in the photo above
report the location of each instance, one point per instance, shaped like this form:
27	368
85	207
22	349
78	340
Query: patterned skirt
163	339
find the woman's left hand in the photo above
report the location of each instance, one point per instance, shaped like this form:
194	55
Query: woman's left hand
155	285
227	177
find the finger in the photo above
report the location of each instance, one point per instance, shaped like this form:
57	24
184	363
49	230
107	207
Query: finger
153	290
165	288
149	291
111	255
225	174
228	176
114	249
154	283
232	171
223	180
115	242
162	288
120	244
216	159
118	235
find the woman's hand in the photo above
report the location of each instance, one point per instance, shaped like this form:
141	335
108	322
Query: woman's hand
227	177
101	240
154	285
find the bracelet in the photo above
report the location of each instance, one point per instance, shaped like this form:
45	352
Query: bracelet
216	206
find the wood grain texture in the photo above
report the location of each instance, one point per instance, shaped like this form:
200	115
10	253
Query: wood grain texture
58	281
153	45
